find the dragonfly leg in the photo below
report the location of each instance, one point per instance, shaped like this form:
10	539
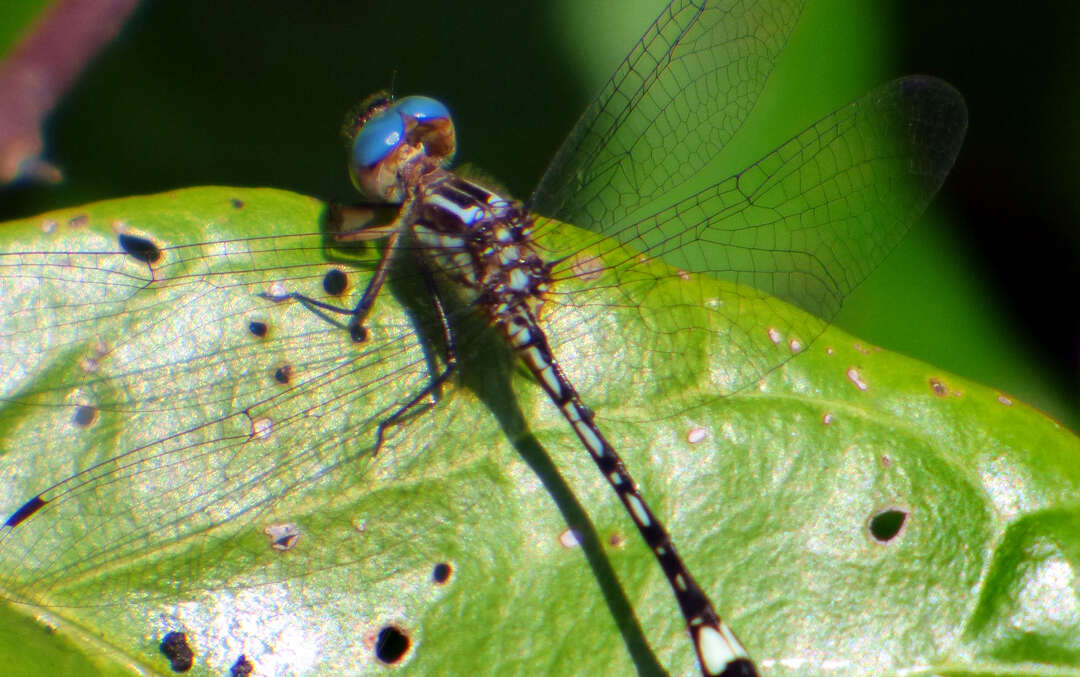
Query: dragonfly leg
353	224
392	232
374	286
340	216
433	390
306	300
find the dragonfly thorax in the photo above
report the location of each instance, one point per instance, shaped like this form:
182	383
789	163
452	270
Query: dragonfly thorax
481	241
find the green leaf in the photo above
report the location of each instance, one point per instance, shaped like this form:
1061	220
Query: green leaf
191	448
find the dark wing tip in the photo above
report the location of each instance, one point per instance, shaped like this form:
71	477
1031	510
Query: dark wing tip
27	509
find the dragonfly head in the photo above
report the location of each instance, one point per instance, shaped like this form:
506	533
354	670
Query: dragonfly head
389	136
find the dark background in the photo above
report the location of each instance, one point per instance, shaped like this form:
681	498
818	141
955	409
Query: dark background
1014	194
252	93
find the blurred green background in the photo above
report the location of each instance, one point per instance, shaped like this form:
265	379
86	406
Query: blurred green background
252	93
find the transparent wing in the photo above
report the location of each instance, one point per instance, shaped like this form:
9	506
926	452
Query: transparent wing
179	416
684	90
805	224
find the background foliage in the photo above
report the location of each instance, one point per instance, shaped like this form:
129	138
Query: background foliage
252	93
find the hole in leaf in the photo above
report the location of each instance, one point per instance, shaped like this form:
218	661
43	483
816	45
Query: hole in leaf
238	204
139	248
391	645
282	536
335	282
84	416
885	525
175	647
441	573
242	667
283	374
258	328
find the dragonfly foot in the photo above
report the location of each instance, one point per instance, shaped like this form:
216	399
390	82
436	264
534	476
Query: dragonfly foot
277	298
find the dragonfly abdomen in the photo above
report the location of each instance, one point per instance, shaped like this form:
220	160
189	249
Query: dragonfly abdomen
720	653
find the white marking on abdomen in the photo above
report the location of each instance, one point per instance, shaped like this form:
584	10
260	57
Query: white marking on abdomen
591	440
571	412
638	509
535	357
551	380
521	337
716	651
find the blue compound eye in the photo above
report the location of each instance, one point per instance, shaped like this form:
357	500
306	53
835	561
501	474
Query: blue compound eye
421	108
413	132
380	135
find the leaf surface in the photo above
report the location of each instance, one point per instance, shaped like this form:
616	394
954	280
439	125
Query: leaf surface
141	393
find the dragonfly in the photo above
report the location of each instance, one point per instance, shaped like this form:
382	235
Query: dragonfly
800	227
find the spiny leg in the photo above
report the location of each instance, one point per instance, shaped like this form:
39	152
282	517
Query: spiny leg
433	388
374	286
340	215
393	234
307	301
362	232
